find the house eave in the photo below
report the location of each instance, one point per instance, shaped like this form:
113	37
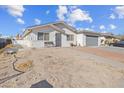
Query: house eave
53	26
85	32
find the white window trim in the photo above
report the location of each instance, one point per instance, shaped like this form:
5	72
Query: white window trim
70	38
43	36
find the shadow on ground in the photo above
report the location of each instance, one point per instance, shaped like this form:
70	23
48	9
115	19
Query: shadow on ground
42	84
9	77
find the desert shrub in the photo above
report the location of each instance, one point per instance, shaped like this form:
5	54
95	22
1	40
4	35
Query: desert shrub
24	66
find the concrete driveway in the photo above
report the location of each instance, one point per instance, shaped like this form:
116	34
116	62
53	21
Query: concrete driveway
113	49
113	53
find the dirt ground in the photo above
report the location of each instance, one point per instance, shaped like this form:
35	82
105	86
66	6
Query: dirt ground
105	53
65	67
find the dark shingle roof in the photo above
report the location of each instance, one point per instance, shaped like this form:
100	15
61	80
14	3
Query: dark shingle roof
87	32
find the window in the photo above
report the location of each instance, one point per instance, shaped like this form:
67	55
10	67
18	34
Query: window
70	37
43	36
46	36
40	36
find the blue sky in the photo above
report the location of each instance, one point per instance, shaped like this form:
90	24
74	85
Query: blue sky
14	19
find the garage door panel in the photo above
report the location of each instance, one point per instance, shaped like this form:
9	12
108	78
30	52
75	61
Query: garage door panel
91	40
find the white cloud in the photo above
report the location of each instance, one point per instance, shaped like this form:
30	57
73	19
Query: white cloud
20	21
73	14
37	21
112	16
102	27
104	31
79	15
119	10
72	7
23	30
112	26
61	12
89	29
15	10
47	12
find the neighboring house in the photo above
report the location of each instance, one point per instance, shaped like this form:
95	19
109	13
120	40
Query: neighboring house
57	34
107	39
88	38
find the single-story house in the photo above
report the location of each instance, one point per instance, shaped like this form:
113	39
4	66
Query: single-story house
57	34
107	39
88	38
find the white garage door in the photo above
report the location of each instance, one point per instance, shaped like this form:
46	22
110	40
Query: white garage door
91	40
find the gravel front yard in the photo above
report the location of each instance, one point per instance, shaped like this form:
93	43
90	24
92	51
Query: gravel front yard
65	67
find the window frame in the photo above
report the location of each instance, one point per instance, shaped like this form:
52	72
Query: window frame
46	36
43	36
70	37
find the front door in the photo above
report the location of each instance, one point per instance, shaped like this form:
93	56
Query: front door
58	39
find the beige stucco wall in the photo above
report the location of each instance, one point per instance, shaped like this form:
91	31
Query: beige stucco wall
81	40
66	43
32	37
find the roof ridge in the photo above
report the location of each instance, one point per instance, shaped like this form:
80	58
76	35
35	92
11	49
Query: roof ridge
44	24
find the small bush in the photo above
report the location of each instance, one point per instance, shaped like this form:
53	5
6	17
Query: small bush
24	66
